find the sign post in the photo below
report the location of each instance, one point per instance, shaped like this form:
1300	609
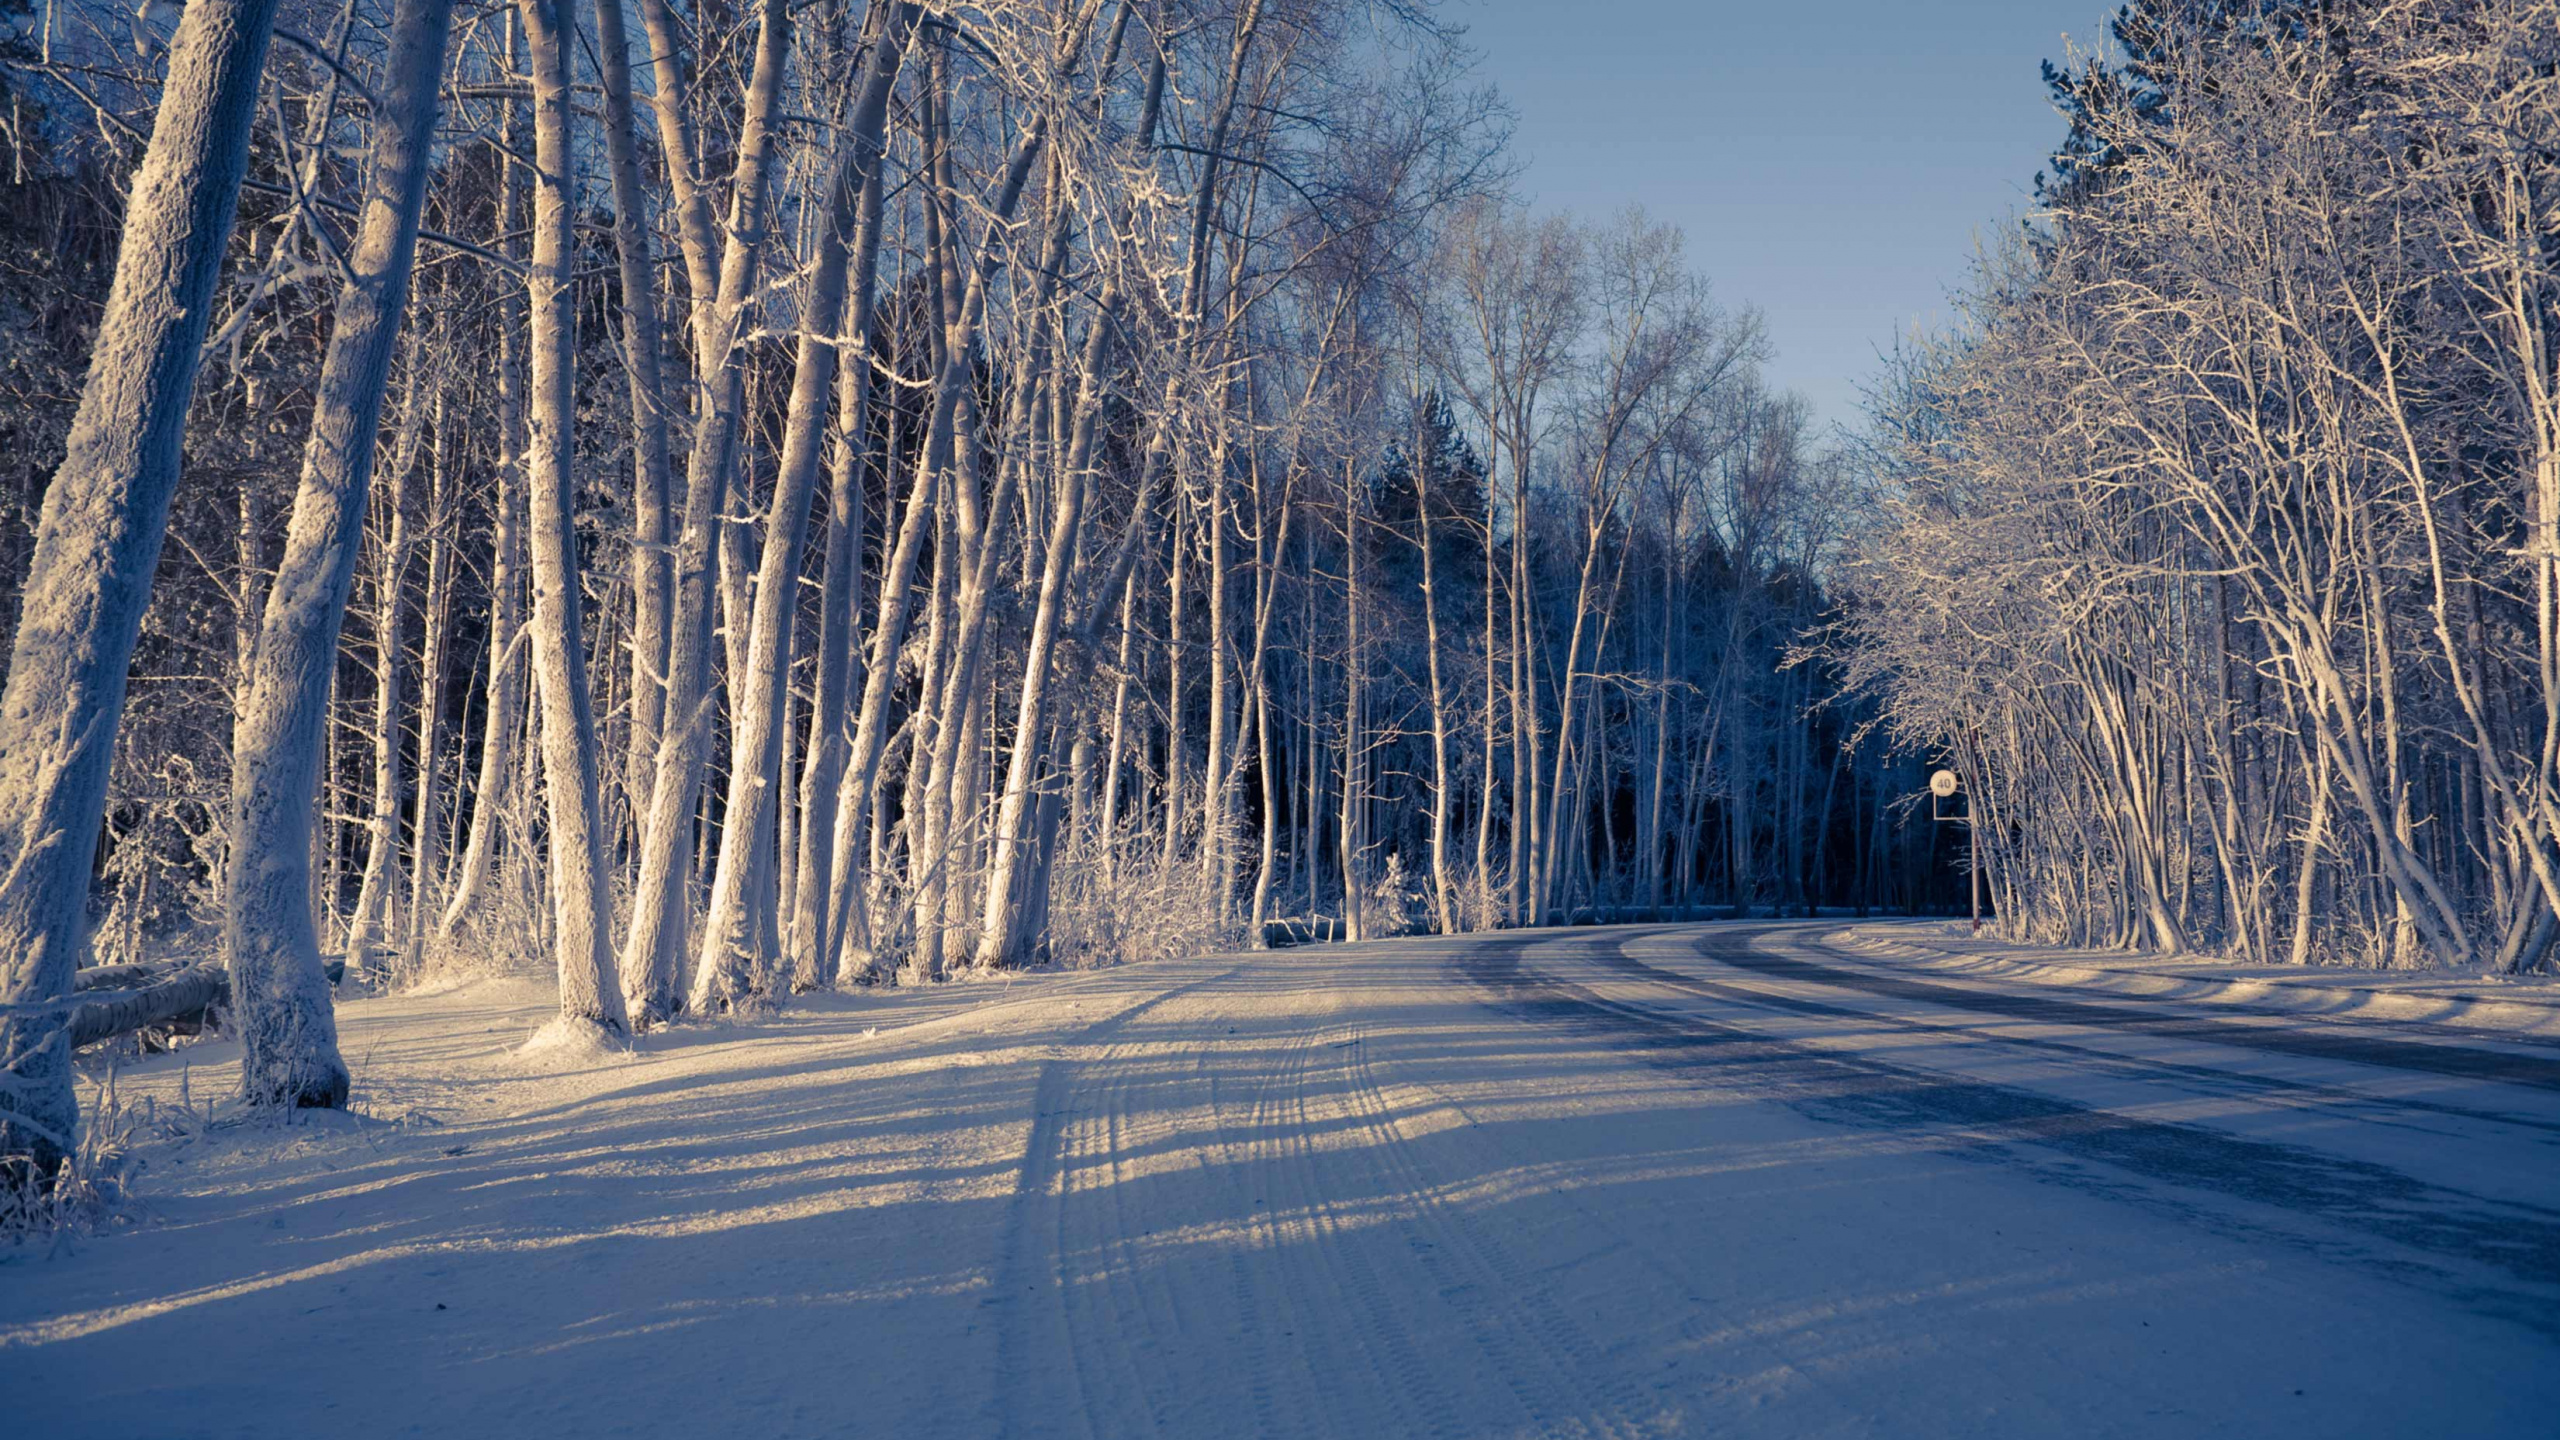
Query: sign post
1942	786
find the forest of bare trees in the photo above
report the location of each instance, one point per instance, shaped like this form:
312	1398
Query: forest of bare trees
2217	547
715	502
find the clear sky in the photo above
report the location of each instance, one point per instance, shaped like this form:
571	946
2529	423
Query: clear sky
1831	160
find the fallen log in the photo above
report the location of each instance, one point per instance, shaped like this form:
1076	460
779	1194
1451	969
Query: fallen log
122	977
181	997
139	997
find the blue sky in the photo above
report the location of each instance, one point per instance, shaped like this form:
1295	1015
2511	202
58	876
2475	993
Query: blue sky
1831	160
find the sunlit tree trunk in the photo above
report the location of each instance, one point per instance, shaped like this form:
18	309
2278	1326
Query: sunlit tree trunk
280	996
97	542
722	277
734	964
581	907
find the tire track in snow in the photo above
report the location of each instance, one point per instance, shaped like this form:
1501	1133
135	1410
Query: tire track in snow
2309	1040
2372	1201
1319	1294
2221	1083
1040	1204
1263	1250
1548	1363
1352	1285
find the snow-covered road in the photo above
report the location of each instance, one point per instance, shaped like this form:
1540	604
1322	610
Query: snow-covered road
1713	1180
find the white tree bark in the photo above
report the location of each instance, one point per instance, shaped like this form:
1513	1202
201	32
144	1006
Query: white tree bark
733	967
652	466
653	948
280	997
97	542
435	658
581	905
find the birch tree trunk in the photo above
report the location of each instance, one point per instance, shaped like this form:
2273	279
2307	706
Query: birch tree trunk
369	925
732	961
812	942
97	542
862	775
1353	840
651	462
1001	936
280	997
502	707
1444	899
427	823
653	949
590	997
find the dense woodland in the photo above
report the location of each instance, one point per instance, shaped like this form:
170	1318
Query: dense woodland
715	502
721	501
2220	546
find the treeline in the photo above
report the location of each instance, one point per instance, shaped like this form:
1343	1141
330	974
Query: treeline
2218	545
722	501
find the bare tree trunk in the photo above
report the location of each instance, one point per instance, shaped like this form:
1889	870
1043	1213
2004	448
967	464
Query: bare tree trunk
1001	930
733	961
1492	749
1176	566
652	587
1354	839
369	927
1216	819
812	943
502	710
936	457
427	824
97	543
1115	756
280	996
1266	583
948	814
581	907
1444	900
1521	908
1543	891
653	948
502	706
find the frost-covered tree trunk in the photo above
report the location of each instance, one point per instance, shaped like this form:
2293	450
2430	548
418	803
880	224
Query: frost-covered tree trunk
652	465
948	824
1444	901
427	816
1520	906
935	457
1353	839
1214	814
1177	565
1257	681
581	905
734	962
369	928
653	948
1649	844
813	939
503	708
97	542
280	996
1490	756
1002	933
502	700
1124	676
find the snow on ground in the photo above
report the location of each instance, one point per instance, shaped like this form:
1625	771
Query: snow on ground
1729	1180
2468	999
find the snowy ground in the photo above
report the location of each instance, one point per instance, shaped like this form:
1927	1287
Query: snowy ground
1715	1180
2527	1005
